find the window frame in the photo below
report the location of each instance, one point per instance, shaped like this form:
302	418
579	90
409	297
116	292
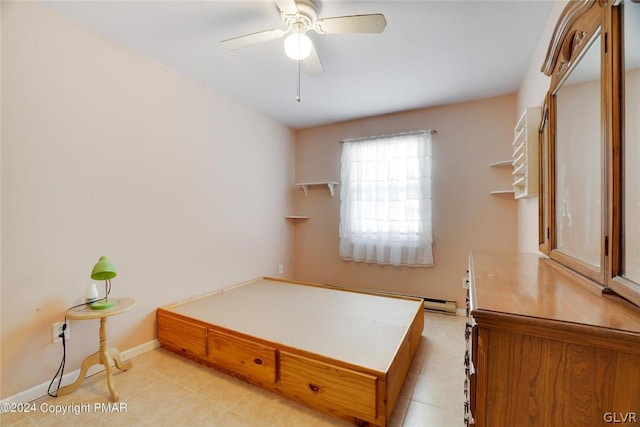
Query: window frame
412	240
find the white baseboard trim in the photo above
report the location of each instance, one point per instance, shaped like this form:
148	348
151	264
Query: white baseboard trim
41	390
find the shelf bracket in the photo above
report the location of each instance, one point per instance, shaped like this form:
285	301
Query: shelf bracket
305	186
330	185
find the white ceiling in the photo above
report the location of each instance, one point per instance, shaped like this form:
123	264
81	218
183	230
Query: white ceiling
431	53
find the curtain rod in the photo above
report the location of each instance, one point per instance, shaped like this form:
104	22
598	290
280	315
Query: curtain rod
366	138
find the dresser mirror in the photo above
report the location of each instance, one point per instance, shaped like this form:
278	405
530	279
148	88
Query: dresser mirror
631	34
543	186
589	212
578	160
631	142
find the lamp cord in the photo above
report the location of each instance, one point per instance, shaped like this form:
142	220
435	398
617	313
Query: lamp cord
60	371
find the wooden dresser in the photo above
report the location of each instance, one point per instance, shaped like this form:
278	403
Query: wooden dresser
545	349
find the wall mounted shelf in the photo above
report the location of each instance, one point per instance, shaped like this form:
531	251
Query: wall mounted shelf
525	154
502	164
503	193
305	186
296	217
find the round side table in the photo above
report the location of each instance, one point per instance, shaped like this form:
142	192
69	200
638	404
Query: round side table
105	356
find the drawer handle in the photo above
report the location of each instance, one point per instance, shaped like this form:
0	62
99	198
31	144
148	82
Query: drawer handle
257	361
314	388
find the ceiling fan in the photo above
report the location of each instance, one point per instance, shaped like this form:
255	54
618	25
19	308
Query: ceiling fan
301	16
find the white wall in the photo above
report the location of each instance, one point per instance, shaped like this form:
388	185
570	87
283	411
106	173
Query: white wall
470	136
107	152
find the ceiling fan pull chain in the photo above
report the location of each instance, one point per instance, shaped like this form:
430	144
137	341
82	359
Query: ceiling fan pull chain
298	93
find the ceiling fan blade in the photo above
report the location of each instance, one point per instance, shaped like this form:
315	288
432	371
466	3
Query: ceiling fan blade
254	38
373	23
312	64
288	7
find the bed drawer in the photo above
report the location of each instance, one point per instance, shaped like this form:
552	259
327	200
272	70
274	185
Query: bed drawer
330	387
244	357
182	335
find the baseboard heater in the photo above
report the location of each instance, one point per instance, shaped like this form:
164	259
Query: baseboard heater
431	304
440	305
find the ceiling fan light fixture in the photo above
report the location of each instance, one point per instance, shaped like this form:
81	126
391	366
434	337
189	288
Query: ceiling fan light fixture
297	46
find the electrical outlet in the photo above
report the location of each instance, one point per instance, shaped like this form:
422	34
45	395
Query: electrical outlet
281	269
465	283
57	330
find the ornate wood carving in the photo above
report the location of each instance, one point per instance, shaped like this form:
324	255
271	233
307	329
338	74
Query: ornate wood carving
571	13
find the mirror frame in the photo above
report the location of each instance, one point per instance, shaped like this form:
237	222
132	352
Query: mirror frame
580	23
621	285
544	231
577	24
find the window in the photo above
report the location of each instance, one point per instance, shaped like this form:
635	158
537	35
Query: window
385	200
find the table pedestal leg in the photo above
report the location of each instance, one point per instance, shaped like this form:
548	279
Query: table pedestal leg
115	355
94	359
105	356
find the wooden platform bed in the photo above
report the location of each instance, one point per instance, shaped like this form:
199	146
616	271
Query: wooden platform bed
342	352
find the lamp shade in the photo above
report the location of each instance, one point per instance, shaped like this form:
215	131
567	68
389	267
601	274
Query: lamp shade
297	46
91	295
103	270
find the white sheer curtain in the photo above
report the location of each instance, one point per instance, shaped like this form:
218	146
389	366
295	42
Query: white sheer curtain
385	193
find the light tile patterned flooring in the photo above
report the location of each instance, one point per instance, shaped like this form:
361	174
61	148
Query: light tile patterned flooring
164	389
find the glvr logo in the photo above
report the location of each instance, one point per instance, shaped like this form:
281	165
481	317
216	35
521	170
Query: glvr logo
620	417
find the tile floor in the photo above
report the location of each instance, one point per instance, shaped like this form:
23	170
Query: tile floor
164	389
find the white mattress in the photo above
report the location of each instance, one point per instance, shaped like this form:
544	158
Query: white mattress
357	328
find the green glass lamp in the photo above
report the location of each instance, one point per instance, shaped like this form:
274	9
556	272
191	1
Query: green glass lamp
103	270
